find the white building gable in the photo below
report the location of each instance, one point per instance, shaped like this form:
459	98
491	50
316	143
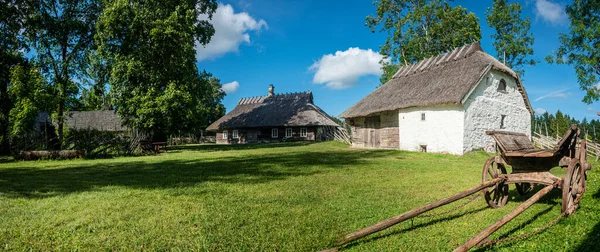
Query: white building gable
457	129
491	108
442	104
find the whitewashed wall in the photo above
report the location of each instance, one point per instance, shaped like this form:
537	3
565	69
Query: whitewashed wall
484	107
442	130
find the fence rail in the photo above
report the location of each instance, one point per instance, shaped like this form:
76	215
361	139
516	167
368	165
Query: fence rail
549	142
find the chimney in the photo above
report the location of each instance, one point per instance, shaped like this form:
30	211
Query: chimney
271	90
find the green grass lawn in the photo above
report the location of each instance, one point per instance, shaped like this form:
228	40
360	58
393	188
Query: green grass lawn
283	197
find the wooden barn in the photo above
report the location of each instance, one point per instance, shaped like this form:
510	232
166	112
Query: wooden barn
273	118
442	104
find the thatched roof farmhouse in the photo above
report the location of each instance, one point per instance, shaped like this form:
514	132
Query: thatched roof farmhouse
270	118
442	104
101	120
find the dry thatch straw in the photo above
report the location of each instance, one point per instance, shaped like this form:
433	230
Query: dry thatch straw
295	109
439	80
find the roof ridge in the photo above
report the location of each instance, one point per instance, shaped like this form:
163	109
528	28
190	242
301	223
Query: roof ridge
455	54
258	99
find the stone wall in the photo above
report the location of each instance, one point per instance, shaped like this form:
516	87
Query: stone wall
485	108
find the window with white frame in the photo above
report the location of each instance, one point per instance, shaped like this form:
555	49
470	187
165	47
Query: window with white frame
422	116
234	134
288	132
303	132
225	134
274	133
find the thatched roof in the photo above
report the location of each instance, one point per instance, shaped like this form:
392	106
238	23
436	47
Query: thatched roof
102	120
296	109
444	79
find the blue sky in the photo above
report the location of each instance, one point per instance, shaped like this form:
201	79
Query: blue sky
324	46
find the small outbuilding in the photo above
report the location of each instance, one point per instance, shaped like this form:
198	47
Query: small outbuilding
442	104
273	118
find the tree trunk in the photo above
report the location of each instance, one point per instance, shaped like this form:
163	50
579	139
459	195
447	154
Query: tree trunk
61	108
63	82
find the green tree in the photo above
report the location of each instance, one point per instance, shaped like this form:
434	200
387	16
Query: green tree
30	94
62	33
154	80
512	39
13	18
559	124
97	96
420	29
581	46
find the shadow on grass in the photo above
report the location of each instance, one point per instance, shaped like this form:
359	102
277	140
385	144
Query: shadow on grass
515	229
592	240
225	147
413	227
548	199
6	159
259	168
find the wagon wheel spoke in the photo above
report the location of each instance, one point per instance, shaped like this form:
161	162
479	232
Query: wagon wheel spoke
495	195
573	187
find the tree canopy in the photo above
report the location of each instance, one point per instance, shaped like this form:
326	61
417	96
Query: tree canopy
154	80
512	39
420	29
62	31
581	46
13	16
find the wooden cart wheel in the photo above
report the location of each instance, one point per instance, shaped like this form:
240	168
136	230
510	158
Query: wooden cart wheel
497	195
524	188
572	186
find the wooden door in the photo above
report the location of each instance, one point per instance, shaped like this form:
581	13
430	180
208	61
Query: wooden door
372	132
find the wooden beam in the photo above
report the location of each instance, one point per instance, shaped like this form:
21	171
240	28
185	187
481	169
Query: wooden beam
494	227
417	211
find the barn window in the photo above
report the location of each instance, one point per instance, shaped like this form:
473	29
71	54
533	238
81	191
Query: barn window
502	86
274	133
422	116
225	134
288	132
502	117
234	134
303	132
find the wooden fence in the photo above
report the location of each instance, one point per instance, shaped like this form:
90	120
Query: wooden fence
549	142
337	133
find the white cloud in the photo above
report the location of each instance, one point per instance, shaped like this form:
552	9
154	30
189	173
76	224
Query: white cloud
231	30
555	94
540	111
589	108
551	12
230	87
342	69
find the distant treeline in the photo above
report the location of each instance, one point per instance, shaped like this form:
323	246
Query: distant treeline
557	124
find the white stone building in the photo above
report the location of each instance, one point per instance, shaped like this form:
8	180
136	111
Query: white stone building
442	104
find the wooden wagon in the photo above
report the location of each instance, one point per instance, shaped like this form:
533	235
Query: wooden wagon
530	166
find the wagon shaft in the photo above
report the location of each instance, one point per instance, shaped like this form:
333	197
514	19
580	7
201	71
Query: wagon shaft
530	166
494	227
417	211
